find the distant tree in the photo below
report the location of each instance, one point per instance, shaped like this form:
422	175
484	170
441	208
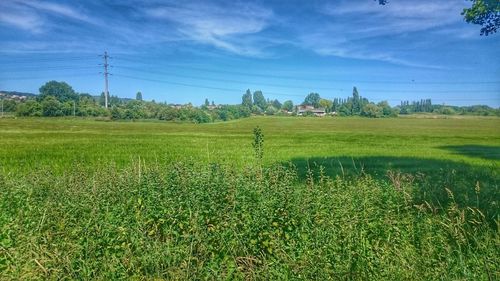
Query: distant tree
335	105
51	107
276	104
117	113
386	108
327	104
271	110
102	99
85	95
113	100
372	110
356	104
312	99
29	108
446	110
259	100
9	105
246	100
287	105
138	96
60	90
207	103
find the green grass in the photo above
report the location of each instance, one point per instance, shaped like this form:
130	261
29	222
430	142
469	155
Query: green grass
29	143
335	198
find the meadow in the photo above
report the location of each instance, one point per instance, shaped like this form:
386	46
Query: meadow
332	198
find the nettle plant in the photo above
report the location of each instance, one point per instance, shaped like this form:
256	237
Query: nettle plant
258	143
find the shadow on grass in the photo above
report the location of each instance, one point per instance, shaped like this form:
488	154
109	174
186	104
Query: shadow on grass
478	151
471	185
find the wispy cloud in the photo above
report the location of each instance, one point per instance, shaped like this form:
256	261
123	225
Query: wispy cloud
230	27
13	13
58	9
355	29
34	16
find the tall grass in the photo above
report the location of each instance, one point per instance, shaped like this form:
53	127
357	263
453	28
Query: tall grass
208	221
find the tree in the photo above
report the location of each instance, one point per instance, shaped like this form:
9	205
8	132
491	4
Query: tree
276	104
271	110
207	103
287	105
356	105
312	99
485	13
386	108
372	110
51	106
138	96
246	100
259	100
60	90
327	104
29	108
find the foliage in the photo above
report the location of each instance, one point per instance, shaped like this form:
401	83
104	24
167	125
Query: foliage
276	104
327	104
288	105
485	13
187	221
312	99
51	107
372	110
259	100
60	90
29	108
246	100
59	99
258	143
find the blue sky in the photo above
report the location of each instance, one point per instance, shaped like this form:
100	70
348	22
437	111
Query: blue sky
186	51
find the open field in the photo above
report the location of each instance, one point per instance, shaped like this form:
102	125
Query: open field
57	143
335	198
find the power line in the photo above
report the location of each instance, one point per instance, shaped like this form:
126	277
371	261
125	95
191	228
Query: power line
299	87
52	76
233	90
52	68
238	73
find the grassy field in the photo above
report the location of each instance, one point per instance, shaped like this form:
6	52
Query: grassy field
334	198
29	143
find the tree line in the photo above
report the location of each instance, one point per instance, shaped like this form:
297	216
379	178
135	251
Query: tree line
357	105
59	99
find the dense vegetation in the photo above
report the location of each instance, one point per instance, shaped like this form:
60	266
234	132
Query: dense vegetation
185	221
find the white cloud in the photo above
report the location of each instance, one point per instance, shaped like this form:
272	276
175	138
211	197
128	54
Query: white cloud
233	27
34	16
359	30
58	9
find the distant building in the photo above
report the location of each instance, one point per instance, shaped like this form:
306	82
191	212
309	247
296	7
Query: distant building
212	107
176	106
302	109
14	96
